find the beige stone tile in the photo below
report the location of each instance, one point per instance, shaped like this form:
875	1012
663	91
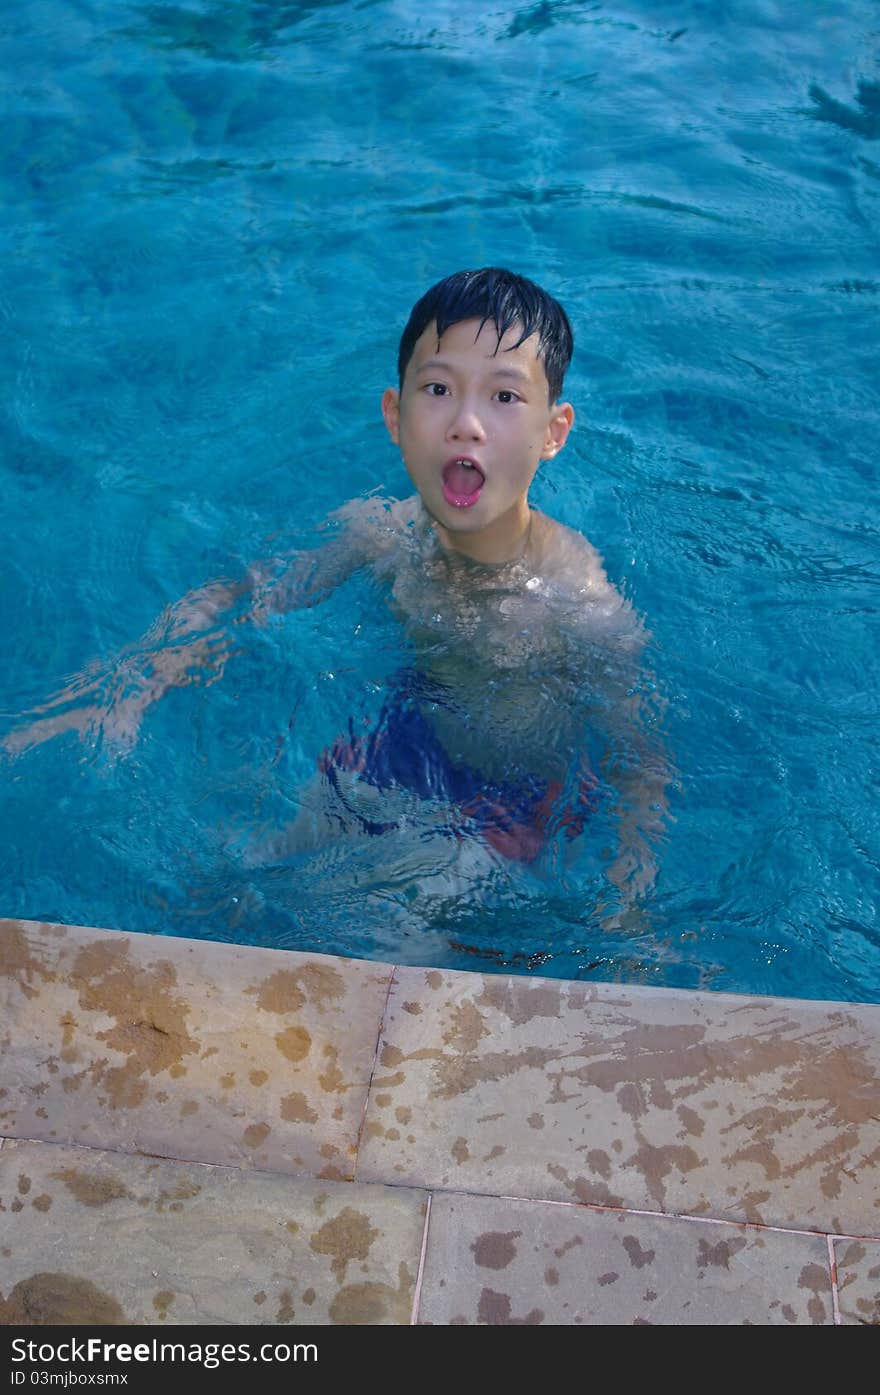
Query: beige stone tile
858	1281
746	1109
492	1261
186	1048
96	1237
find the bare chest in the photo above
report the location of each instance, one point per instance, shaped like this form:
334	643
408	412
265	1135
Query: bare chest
493	621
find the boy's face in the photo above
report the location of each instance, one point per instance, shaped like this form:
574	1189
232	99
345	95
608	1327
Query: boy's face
473	422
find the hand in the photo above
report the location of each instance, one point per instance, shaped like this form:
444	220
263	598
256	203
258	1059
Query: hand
632	919
110	705
634	870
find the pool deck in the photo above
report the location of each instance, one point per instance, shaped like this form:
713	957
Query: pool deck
197	1132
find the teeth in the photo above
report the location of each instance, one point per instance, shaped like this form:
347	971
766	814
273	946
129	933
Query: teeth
468	464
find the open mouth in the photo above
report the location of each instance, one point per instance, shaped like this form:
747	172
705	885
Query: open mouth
463	482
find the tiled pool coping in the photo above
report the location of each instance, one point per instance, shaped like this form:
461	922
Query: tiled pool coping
196	1132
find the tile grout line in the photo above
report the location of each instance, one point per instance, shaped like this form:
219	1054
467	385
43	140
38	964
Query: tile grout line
417	1295
616	1210
169	1158
430	1189
375	1062
835	1295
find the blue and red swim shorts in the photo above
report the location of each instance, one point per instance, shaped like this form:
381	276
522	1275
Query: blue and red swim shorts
515	816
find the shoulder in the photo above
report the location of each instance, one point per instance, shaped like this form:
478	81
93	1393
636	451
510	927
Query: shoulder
375	525
568	560
574	571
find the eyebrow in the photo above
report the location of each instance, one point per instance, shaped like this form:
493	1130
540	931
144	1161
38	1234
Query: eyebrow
517	374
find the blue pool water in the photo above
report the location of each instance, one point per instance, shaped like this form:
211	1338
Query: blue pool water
214	219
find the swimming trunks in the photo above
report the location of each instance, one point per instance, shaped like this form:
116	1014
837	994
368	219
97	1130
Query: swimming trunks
514	816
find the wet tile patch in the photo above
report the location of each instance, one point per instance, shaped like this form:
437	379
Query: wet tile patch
499	1262
186	1048
762	1110
97	1237
858	1281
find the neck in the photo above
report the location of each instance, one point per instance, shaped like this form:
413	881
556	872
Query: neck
505	540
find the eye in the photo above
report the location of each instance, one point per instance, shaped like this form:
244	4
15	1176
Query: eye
436	389
506	395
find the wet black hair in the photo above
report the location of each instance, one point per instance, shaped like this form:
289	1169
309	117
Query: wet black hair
504	298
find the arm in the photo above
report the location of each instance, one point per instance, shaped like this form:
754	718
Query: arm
628	709
191	641
637	768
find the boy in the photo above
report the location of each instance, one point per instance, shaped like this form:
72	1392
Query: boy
519	639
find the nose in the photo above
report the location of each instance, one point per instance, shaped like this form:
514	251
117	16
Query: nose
465	423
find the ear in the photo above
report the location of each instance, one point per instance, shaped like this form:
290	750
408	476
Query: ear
391	413
558	428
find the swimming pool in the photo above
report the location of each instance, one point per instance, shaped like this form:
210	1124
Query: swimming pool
215	218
